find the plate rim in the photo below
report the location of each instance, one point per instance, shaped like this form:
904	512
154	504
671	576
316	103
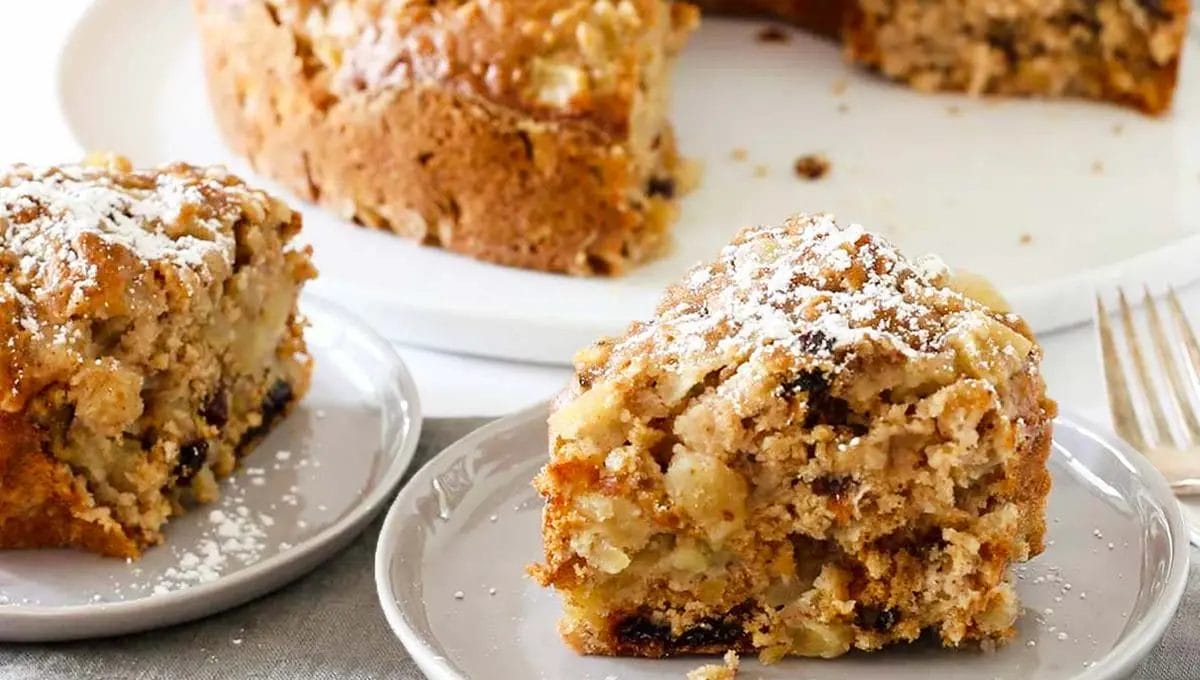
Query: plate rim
1118	662
515	334
256	579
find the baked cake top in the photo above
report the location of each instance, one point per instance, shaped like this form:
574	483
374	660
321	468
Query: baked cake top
812	293
84	245
559	58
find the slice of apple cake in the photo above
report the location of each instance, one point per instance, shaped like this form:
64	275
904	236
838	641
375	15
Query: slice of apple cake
149	336
816	445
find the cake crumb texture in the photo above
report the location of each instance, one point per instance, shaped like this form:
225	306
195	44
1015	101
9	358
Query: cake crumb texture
1124	51
148	336
815	445
725	671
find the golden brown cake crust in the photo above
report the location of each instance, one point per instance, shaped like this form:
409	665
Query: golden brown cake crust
815	445
42	504
512	139
148	333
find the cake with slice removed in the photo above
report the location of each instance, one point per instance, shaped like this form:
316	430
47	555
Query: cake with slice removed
816	445
1124	51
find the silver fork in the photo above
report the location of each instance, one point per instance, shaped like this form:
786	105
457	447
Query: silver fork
1179	461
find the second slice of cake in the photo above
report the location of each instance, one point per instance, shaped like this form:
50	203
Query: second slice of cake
815	445
148	337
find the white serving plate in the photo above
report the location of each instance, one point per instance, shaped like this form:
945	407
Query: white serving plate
306	491
964	178
469	521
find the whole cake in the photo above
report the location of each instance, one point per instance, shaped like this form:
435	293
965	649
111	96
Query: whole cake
530	133
148	336
534	133
815	446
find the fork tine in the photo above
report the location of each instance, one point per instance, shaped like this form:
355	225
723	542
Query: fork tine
1185	330
1120	404
1161	432
1166	357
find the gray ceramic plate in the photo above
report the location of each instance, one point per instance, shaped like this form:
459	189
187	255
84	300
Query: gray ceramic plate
1095	602
298	498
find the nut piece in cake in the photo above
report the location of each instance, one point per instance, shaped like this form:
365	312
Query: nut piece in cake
148	337
815	446
530	133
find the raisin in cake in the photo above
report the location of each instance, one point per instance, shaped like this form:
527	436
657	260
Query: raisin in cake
148	336
1126	51
815	446
530	133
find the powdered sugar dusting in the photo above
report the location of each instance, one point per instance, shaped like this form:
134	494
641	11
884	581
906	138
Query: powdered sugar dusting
812	286
234	536
50	211
58	224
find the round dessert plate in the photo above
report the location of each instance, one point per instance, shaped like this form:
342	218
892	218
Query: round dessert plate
451	559
303	493
1047	199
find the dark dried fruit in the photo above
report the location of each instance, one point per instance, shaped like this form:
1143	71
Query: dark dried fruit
273	406
830	485
641	631
216	408
192	457
874	618
826	409
815	342
277	399
710	632
811	382
661	186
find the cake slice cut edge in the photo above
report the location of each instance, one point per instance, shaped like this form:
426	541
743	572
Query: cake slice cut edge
816	445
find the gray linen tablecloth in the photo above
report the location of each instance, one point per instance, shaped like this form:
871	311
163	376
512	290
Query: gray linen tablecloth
328	625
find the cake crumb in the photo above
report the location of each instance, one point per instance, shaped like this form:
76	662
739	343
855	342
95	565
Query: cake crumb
774	34
839	87
812	166
954	110
1118	129
761	170
1097	167
726	671
739	154
1026	238
843	108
